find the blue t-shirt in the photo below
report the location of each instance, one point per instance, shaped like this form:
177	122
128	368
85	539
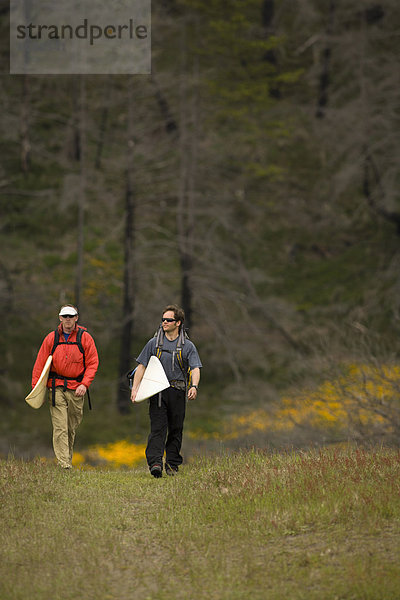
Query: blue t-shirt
169	358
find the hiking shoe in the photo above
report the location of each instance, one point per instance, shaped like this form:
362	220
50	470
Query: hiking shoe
65	466
171	470
156	470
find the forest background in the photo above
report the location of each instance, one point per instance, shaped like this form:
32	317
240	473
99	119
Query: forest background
252	178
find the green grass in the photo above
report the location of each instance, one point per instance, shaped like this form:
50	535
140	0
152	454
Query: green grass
302	525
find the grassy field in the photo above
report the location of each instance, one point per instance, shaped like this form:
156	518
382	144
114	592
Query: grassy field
252	525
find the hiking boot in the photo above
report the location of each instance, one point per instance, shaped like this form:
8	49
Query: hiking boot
65	466
170	470
156	470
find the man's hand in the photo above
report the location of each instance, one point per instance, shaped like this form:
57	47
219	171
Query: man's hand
80	390
192	393
140	369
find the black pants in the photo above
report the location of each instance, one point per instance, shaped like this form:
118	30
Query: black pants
166	422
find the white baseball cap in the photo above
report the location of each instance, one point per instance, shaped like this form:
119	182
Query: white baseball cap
68	310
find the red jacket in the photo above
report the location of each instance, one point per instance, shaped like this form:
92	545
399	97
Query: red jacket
68	359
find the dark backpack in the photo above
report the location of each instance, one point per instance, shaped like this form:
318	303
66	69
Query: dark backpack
53	375
183	336
159	335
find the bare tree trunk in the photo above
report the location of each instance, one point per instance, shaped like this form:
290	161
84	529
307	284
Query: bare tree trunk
372	189
103	126
324	79
271	56
82	191
75	141
372	186
24	126
170	124
188	160
123	401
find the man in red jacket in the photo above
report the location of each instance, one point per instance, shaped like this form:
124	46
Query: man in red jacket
74	365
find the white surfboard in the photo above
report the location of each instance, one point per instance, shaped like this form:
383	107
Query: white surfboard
38	395
154	380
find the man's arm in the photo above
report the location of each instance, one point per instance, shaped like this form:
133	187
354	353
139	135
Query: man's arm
91	364
41	358
91	359
192	391
137	380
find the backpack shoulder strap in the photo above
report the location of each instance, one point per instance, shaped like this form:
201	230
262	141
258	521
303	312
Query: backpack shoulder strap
186	370
79	344
159	335
181	339
79	340
56	340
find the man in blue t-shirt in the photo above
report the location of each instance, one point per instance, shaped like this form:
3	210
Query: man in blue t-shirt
167	409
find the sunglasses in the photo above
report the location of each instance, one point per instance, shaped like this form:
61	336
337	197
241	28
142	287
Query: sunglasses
168	320
68	316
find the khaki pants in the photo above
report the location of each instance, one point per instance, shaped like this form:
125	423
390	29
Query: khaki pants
66	416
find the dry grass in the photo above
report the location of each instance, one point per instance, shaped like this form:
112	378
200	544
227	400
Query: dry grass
300	525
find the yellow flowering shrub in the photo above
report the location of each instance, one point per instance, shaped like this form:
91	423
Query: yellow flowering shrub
364	397
116	454
121	453
78	459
